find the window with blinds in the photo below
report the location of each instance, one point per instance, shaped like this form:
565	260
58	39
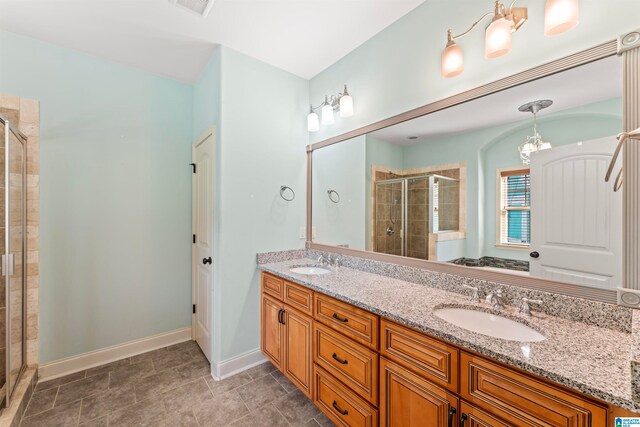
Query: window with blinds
515	207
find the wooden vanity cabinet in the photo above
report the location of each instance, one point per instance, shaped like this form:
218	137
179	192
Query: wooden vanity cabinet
286	334
363	371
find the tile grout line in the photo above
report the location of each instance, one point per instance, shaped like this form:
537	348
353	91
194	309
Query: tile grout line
281	414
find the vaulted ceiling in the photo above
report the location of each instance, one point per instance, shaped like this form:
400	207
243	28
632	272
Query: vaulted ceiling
300	36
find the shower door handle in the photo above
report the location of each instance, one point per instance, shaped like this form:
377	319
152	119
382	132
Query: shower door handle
7	265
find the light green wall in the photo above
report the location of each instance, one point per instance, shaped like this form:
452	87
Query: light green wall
260	146
114	196
399	68
340	167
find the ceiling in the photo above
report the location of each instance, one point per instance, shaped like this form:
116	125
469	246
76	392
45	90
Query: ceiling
583	85
300	36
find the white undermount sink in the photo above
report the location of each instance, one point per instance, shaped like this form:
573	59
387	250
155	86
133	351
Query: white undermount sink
489	324
310	270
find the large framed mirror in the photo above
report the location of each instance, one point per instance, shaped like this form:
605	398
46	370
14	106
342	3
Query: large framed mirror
505	182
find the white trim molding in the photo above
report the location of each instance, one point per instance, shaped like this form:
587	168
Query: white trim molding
112	353
237	364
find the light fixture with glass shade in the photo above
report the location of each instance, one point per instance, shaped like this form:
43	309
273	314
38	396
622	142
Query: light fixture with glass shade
313	123
533	143
560	16
327	112
497	39
342	102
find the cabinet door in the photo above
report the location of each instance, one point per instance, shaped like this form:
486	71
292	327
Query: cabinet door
407	400
271	329
474	417
297	349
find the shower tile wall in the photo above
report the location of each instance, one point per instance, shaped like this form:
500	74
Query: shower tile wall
418	218
26	114
448	204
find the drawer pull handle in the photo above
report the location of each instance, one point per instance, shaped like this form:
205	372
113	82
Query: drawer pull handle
337	408
452	412
340	319
337	359
463	418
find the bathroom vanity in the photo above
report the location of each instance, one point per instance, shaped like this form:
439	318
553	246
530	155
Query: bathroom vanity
371	364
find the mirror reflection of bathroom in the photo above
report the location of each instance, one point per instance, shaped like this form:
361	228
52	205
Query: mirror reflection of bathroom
513	181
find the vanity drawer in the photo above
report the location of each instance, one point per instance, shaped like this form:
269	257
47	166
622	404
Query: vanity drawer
426	356
298	297
477	418
355	323
523	400
353	364
272	285
341	405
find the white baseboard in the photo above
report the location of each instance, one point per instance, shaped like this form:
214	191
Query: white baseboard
230	367
95	358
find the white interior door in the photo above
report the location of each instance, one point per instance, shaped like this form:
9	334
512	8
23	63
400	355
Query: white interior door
576	218
202	253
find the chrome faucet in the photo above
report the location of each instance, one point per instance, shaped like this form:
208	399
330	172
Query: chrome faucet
328	260
474	293
495	298
324	260
525	308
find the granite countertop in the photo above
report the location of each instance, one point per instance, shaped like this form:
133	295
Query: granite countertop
590	359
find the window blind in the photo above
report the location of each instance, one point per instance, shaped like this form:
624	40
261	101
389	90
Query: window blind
515	207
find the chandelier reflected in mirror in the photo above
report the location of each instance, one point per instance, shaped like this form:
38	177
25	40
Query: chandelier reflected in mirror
533	143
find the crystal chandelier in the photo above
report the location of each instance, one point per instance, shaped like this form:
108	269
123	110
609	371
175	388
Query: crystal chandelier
535	142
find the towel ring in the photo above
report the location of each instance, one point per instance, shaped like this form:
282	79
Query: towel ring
283	189
333	196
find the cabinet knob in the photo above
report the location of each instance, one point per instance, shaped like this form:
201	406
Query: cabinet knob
206	261
534	254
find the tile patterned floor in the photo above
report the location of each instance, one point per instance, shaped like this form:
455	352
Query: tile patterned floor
170	387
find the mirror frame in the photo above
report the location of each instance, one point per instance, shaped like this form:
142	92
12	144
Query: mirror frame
610	48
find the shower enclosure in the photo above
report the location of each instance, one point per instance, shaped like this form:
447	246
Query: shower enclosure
408	209
12	288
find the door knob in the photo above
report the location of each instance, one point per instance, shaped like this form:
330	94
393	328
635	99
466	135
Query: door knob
206	260
534	254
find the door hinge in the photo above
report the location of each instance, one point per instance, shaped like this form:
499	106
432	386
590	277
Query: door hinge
194	309
193	165
194	238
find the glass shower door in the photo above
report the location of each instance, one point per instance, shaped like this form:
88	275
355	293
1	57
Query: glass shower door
12	303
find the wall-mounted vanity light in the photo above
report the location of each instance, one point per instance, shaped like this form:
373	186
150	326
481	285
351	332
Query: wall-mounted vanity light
559	16
342	102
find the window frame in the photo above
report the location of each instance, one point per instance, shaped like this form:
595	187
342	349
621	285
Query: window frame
501	213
